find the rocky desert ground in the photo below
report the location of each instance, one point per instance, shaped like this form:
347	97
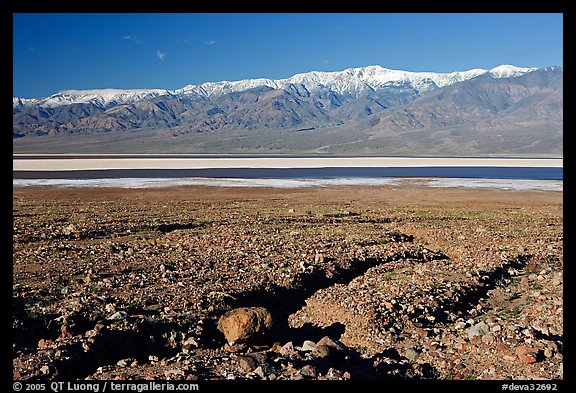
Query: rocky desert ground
361	283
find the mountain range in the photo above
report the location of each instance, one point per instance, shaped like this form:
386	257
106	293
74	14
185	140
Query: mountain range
506	110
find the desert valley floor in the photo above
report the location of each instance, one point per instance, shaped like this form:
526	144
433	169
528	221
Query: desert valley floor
362	282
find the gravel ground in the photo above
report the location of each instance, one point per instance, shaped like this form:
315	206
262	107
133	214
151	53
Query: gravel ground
362	283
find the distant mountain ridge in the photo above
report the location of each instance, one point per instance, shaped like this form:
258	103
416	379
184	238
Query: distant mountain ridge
351	80
372	109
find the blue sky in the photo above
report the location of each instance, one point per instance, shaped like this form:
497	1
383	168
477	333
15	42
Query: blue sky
54	52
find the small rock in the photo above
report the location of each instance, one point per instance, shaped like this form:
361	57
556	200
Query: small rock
234	348
321	351
174	372
245	324
287	349
69	229
189	344
522	350
291	211
548	352
319	257
276	347
44	369
480	329
488	338
43	344
122	362
308	346
246	363
309	371
460	325
334	373
411	354
118	316
330	343
529	358
346	375
421	332
495	328
509	357
258	371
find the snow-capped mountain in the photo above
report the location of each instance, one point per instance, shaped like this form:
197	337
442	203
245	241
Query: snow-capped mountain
352	81
101	98
372	109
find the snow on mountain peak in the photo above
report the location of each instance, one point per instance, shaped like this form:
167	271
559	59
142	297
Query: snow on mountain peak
349	81
507	71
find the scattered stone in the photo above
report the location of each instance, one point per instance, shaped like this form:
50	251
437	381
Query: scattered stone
260	372
118	316
488	338
234	348
480	329
68	230
321	351
383	311
529	358
276	347
330	343
509	357
333	373
189	344
522	350
43	344
245	324
411	354
287	349
174	372
460	325
122	362
309	371
308	346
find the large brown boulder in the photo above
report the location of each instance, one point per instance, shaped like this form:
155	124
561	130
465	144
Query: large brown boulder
245	324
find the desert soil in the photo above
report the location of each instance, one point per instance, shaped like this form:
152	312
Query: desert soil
362	283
